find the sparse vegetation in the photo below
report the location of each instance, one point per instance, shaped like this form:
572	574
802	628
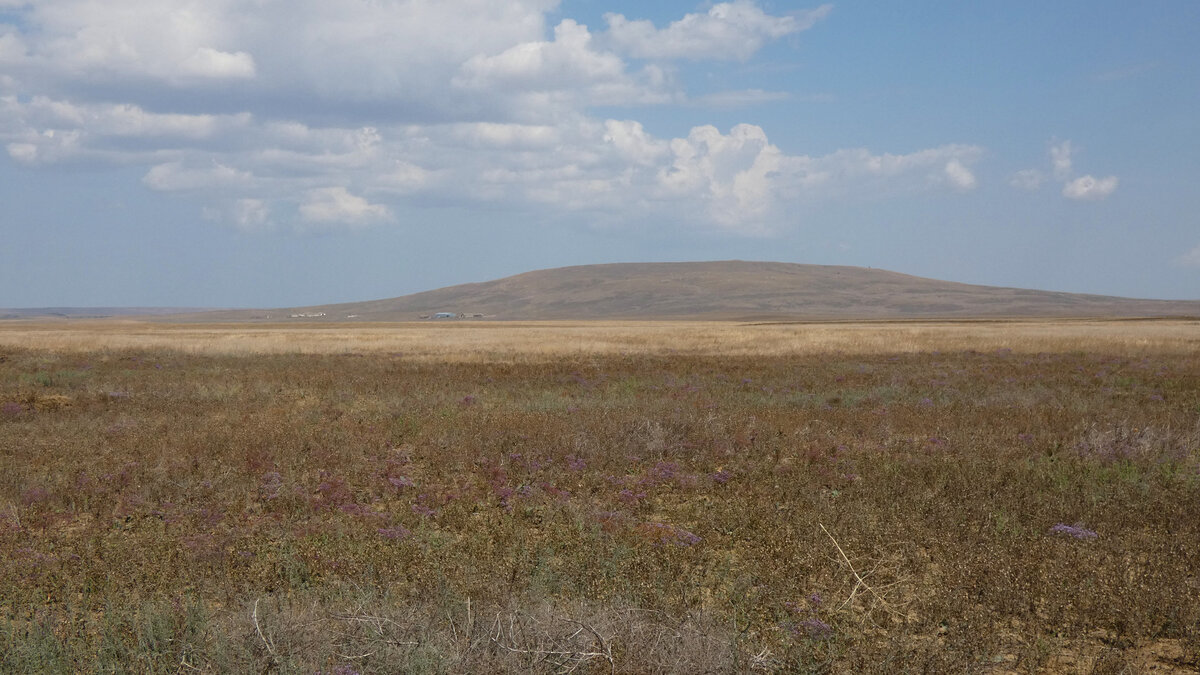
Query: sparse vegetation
1027	501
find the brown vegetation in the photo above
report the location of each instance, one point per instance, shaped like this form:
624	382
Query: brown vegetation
730	289
661	498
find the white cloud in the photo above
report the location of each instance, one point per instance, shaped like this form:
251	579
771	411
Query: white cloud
729	31
960	176
12	47
45	147
633	143
491	134
1090	187
209	62
1190	259
545	79
732	175
1060	158
1062	163
454	102
252	214
351	50
176	177
26	153
108	119
546	65
405	178
335	205
1027	179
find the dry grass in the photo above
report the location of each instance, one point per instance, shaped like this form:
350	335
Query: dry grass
484	341
658	498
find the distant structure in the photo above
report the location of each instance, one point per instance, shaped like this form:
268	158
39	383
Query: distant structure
452	315
310	315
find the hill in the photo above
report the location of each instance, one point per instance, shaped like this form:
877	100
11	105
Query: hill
41	313
725	290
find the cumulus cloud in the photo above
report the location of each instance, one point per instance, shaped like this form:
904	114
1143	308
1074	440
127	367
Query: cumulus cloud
728	31
364	105
336	205
960	176
1062	165
342	53
1090	188
542	79
732	173
633	143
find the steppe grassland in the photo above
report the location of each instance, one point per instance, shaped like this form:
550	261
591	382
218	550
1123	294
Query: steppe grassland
459	341
645	497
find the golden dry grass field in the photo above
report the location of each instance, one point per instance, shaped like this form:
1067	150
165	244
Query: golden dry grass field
637	497
466	341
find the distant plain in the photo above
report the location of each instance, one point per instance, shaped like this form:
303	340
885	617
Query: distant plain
457	341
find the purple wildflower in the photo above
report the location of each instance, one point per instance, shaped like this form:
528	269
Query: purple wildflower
576	463
360	510
12	408
394	532
421	506
271	483
630	497
721	476
34	495
816	628
332	492
664	471
1075	531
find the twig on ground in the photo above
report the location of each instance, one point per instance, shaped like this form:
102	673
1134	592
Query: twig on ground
270	647
860	579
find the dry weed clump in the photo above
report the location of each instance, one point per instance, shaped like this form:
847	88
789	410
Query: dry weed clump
952	510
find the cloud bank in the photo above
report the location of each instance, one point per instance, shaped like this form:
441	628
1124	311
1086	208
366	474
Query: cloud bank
306	114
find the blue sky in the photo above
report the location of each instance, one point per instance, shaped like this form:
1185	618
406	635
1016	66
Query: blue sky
286	152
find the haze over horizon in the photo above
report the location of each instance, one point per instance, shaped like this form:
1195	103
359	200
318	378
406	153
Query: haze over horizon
276	154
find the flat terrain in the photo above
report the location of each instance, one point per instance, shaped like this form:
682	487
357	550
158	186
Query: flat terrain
540	340
993	497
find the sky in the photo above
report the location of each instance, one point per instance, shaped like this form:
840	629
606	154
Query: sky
273	153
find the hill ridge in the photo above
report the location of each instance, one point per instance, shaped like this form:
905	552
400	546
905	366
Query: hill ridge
726	289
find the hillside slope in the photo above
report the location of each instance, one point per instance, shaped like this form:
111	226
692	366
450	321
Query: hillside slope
727	290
